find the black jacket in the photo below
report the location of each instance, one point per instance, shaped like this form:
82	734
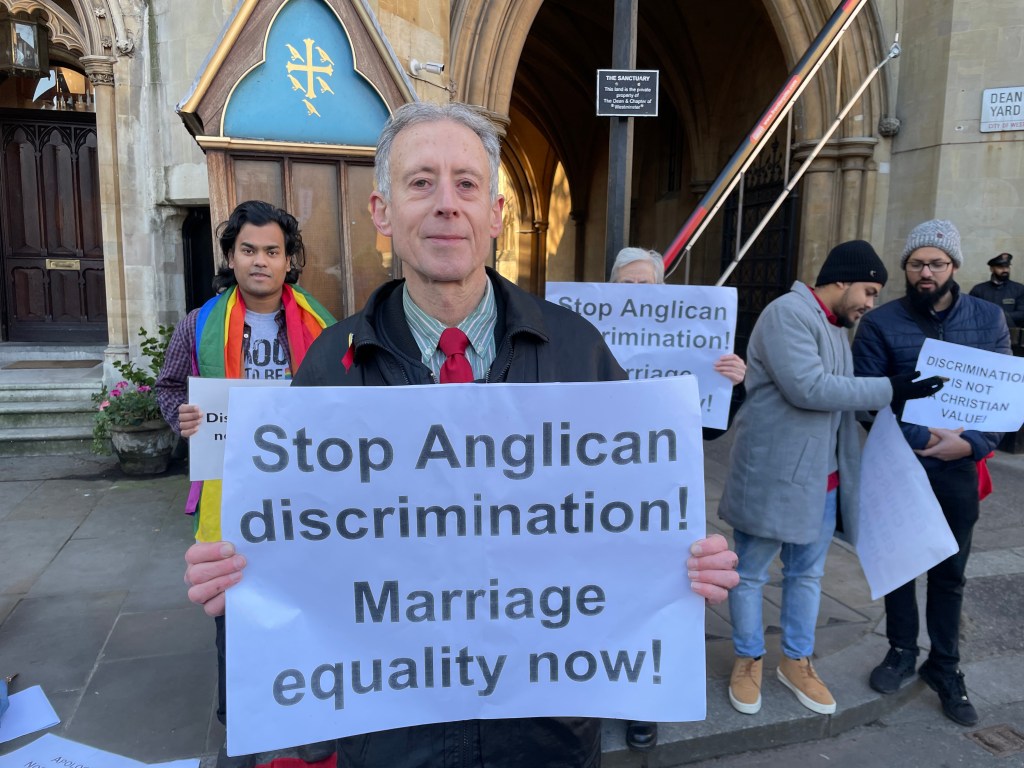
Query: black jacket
536	341
1009	296
889	340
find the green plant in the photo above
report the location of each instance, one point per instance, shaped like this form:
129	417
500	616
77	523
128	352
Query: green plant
131	401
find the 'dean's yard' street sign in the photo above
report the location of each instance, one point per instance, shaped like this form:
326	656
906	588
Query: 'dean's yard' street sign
1002	109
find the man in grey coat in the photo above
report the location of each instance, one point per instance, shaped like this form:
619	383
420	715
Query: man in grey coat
796	458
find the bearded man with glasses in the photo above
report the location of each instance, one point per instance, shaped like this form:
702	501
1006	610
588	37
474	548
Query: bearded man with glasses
888	342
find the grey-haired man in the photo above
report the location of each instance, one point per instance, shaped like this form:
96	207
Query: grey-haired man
437	199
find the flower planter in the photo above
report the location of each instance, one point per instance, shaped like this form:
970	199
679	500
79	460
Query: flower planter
144	449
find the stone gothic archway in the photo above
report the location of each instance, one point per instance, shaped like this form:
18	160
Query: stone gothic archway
501	48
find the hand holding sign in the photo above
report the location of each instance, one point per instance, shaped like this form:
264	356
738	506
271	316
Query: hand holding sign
905	388
946	444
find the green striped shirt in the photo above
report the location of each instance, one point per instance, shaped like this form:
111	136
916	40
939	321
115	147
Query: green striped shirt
479	327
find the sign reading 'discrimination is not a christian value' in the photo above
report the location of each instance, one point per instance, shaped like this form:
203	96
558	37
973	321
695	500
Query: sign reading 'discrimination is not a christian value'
424	554
982	392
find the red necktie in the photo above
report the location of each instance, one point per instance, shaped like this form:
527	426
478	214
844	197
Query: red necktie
456	368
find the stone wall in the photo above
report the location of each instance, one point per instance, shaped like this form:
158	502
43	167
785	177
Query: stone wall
942	165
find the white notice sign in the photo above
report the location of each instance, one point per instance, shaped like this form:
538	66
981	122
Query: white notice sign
663	330
440	553
1002	109
983	391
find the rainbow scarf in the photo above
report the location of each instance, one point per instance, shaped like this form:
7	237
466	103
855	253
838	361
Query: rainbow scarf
219	353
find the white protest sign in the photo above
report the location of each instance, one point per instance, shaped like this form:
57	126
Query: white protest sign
425	554
983	391
663	330
902	531
206	447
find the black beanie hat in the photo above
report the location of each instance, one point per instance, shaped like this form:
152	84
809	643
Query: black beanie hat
852	262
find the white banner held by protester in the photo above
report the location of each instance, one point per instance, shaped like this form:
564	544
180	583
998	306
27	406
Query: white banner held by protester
206	447
425	554
663	330
983	391
902	531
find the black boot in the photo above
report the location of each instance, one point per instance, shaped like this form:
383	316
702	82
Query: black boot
641	736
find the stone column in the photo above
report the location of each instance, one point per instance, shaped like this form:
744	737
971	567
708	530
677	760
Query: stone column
100	71
819	208
538	257
854	156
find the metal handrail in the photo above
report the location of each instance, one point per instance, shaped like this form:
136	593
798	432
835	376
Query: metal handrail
751	146
894	51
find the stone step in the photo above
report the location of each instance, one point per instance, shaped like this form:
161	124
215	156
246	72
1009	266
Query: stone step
13	351
45	414
41	390
45	441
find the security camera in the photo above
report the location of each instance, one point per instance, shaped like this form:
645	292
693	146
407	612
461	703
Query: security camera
433	67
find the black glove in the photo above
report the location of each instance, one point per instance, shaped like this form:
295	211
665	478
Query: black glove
905	388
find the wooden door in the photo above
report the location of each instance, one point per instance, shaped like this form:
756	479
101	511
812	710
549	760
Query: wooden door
52	244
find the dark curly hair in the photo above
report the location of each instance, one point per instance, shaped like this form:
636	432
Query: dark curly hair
259	213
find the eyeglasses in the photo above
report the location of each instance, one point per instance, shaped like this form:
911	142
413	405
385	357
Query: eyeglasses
936	267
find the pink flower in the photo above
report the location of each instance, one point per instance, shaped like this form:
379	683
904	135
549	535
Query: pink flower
104	404
122	385
144	388
115	392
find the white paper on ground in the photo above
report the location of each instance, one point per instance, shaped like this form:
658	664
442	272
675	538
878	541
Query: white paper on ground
30	712
54	750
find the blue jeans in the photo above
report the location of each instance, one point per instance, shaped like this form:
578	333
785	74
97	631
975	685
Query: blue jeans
803	565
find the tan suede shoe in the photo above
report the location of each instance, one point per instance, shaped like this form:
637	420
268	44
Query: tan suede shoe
745	685
799	676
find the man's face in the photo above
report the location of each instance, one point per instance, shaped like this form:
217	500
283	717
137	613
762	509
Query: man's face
260	263
923	282
440	217
856	300
1000	274
637	272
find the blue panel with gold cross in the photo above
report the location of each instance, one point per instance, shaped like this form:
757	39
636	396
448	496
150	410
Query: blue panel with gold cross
307	88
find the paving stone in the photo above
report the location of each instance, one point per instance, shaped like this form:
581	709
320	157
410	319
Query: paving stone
149	709
998	680
993	608
60	499
6	606
13	494
158	599
27	548
161	632
55	641
94	565
115	518
995	563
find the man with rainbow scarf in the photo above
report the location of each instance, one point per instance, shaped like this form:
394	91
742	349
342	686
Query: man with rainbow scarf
258	326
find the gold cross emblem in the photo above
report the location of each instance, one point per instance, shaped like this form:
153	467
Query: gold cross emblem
305	66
